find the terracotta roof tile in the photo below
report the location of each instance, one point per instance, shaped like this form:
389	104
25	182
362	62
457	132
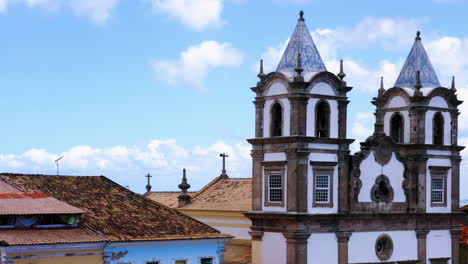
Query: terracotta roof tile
15	237
169	199
231	194
113	210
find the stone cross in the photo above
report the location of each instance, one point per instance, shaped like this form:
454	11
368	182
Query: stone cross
223	172
148	186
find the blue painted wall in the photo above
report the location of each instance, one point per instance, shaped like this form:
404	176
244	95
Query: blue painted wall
165	254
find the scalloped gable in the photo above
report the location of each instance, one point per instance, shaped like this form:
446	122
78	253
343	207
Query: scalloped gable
301	42
417	60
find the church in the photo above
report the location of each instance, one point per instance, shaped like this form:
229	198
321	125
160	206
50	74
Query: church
394	201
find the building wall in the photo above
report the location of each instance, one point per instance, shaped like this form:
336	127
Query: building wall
273	248
406	123
58	257
362	246
439	244
322	248
164	251
286	116
438	209
311	117
310	179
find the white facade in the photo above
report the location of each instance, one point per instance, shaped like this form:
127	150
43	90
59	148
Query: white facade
273	248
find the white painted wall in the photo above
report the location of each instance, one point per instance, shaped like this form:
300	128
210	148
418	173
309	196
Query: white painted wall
285	193
445	163
286	116
311	117
273	248
361	246
396	101
439	245
322	248
275	88
406	132
275	156
447	128
323	146
370	170
438	101
310	194
322	89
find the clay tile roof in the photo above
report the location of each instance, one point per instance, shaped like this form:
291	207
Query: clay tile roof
16	237
15	202
114	211
230	194
169	199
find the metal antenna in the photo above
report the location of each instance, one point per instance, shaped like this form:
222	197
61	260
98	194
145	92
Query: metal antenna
57	164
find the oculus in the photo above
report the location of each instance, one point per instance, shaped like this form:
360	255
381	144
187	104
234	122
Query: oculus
382	191
384	247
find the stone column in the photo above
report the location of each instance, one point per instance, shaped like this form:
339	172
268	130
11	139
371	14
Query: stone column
454	129
343	239
455	194
298	119
296	190
259	105
296	248
421	235
422	185
257	175
257	237
342	118
455	233
343	187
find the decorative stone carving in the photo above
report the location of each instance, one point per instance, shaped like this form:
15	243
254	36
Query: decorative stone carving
383	150
382	191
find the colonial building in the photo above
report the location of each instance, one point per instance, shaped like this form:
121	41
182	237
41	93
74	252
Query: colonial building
76	220
394	201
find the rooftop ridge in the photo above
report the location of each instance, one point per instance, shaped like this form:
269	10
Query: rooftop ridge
301	42
417	60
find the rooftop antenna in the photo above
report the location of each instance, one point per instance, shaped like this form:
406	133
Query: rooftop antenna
57	164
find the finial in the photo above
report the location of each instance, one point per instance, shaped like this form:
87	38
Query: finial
418	35
453	85
381	89
148	186
341	74
418	84
301	16
299	68
184	198
261	75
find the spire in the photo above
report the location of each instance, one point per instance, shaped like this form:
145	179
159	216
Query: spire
184	198
261	75
417	60
452	88
341	74
301	42
148	186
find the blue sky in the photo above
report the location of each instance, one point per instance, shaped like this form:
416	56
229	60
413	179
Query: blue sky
123	88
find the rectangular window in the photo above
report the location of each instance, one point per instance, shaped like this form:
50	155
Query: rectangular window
438	190
275	188
438	186
152	262
184	261
322	188
206	261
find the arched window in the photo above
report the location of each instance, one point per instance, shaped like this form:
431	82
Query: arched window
276	128
322	119
438	129
396	128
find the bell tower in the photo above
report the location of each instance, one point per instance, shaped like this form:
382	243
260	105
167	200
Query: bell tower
300	149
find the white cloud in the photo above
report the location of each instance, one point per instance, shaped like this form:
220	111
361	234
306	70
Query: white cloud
195	14
164	159
98	10
195	62
3	6
361	128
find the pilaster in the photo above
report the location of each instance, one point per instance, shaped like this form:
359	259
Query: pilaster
343	181
259	109
298	115
297	180
455	234
421	236
257	174
342	117
421	167
343	239
455	193
296	248
417	125
454	128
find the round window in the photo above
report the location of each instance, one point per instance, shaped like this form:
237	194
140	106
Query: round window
384	247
